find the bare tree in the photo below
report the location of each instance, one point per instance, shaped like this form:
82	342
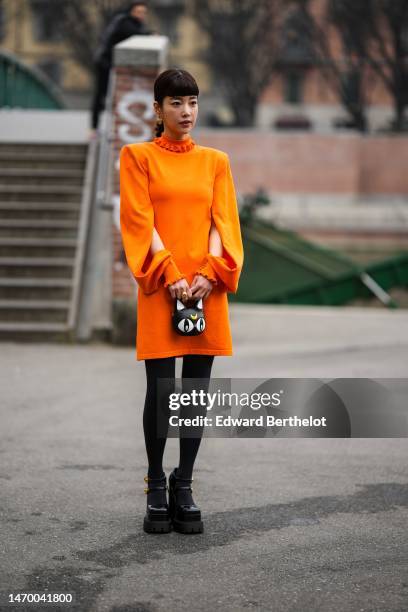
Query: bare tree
373	33
81	24
345	75
388	53
242	48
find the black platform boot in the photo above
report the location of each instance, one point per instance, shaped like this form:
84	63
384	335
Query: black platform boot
184	514
157	519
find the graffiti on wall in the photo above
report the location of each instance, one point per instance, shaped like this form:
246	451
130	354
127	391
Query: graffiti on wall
138	122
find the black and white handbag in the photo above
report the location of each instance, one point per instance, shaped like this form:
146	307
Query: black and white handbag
188	320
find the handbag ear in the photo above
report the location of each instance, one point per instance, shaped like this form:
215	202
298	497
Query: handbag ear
179	304
199	304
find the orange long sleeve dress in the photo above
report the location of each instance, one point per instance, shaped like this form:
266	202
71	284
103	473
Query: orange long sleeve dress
178	187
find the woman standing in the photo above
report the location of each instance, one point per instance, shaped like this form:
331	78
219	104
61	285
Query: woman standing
182	239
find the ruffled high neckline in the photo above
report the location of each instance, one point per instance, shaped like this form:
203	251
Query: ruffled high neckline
179	146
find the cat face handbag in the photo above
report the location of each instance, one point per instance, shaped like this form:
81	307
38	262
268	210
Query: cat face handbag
188	320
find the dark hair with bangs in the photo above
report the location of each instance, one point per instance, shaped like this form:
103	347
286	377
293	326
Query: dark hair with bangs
173	82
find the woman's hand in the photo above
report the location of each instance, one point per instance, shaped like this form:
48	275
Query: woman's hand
201	287
177	288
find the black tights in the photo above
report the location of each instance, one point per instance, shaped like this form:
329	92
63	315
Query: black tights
194	366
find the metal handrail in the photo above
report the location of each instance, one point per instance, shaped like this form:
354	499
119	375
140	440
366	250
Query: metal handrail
86	206
100	195
103	184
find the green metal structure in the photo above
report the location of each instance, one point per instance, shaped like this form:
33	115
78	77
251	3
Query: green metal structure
282	268
23	86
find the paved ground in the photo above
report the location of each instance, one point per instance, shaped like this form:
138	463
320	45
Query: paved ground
290	524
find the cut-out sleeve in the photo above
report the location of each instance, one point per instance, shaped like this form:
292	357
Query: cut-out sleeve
172	273
137	222
226	268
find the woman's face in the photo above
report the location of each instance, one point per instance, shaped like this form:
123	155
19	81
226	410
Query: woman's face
179	114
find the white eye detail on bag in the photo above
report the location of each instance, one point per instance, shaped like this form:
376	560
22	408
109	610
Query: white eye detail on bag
185	325
200	324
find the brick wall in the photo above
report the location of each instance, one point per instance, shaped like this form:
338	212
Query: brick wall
344	163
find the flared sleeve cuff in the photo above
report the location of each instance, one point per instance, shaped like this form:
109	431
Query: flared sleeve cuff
227	267
221	270
150	277
206	270
171	273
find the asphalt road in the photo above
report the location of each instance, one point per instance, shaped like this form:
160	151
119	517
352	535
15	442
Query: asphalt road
290	524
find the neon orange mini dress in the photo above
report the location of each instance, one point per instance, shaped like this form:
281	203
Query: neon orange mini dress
178	187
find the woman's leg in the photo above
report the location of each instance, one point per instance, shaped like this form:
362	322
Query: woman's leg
194	366
156	410
101	82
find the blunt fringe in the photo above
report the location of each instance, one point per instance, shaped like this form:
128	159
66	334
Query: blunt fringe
173	82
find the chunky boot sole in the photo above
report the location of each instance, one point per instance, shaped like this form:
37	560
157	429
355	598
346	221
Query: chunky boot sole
188	526
156	520
194	525
156	526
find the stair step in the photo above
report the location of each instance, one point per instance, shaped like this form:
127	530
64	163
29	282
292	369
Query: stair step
38	223
39	206
34	282
40	173
46	189
38	287
8	148
34	304
44	267
47	193
37	242
69	214
40	210
38	227
21	326
31	246
44	156
36	163
41	177
33	310
37	261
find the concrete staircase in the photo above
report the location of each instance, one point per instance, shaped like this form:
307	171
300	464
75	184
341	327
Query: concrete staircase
41	187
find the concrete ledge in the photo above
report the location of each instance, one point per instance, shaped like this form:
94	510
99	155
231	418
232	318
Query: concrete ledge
141	51
48	126
352	212
336	312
